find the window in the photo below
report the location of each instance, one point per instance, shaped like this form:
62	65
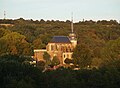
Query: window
56	47
67	55
64	56
52	47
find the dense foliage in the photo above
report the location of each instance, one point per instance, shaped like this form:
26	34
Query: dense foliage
21	36
98	47
15	73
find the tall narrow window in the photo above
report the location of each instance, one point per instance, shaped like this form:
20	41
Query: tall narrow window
52	47
64	56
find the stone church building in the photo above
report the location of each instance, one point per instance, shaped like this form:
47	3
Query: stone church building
60	46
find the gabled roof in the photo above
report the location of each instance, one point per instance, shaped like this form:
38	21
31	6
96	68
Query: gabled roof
60	39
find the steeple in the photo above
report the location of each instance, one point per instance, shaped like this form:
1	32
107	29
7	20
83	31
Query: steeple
72	23
72	35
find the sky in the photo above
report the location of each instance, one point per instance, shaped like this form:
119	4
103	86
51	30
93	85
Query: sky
61	9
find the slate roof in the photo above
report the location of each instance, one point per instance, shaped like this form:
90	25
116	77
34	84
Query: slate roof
60	39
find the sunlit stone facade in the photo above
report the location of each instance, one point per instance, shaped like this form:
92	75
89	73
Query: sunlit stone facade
60	46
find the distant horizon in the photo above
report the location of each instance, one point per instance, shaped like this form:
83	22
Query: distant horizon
58	19
61	10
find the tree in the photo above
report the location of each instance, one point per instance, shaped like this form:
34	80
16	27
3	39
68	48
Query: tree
46	57
82	56
111	53
68	61
15	43
41	65
37	43
55	61
3	32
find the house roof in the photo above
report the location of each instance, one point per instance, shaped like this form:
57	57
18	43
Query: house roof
60	39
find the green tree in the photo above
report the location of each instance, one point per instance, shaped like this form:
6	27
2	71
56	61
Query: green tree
46	57
41	65
3	32
37	43
68	61
111	53
15	43
55	61
82	56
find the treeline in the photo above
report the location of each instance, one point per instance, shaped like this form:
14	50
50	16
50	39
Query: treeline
16	72
98	42
97	54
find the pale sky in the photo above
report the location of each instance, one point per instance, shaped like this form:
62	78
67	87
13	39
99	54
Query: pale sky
61	9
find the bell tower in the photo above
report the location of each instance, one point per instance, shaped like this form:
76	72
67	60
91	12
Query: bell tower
72	35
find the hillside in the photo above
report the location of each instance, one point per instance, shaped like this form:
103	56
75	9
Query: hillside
95	39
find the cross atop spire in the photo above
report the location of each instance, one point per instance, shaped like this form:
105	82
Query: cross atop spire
72	22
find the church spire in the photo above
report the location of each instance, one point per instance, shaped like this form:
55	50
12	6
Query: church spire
72	35
72	22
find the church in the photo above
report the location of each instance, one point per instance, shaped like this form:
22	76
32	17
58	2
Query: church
59	46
